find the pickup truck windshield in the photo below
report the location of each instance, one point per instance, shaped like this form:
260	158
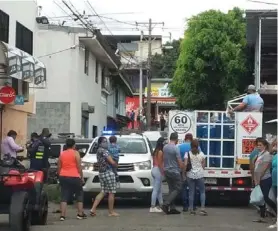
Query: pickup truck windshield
128	146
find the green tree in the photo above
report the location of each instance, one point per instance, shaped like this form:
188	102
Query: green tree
212	66
164	65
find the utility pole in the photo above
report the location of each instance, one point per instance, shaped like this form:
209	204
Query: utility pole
150	26
141	75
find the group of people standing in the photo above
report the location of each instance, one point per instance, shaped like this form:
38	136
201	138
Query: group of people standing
181	166
263	166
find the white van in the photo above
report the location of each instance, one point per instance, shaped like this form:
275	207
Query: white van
153	136
134	167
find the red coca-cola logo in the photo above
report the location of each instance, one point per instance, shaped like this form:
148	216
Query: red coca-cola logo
7	95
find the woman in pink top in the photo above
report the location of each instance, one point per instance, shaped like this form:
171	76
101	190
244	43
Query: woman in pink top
157	173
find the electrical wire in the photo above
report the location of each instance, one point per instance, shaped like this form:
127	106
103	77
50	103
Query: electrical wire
262	2
91	29
58	52
94	11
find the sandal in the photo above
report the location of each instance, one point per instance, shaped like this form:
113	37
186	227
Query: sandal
114	215
92	214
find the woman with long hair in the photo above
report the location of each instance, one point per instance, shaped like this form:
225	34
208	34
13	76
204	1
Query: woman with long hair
157	173
262	176
107	178
195	175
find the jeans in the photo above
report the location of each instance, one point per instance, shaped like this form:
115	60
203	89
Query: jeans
174	182
266	185
157	187
185	196
192	184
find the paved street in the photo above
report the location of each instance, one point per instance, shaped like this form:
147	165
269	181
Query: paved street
136	217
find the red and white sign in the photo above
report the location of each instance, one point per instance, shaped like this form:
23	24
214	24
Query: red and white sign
248	128
249	124
7	95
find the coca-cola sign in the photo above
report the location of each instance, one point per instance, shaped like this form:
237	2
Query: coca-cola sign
7	95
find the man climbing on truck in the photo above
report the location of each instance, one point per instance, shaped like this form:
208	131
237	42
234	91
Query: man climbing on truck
252	102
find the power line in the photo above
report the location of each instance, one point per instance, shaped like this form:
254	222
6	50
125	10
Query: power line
58	52
94	11
263	2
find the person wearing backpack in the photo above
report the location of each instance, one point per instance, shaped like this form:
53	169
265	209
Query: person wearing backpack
194	164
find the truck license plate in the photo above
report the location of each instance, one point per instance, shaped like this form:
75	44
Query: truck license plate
210	181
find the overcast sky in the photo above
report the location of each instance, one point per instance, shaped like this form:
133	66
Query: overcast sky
173	13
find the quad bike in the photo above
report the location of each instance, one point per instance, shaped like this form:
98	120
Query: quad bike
21	195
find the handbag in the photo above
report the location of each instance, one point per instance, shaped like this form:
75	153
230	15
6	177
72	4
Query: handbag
189	165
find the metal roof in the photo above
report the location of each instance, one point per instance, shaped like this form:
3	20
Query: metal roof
268	27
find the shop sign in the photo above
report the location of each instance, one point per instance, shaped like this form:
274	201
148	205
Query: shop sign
7	95
159	91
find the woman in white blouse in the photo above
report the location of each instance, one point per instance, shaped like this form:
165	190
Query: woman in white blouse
194	162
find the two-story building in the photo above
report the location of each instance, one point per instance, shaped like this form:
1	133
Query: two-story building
85	90
20	72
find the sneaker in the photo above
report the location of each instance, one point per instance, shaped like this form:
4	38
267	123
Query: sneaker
81	217
185	209
274	226
203	212
192	212
62	218
174	211
155	210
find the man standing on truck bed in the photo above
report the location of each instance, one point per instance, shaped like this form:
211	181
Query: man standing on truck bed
173	167
251	102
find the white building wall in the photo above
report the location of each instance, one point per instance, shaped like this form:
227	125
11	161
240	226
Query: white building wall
24	12
111	109
156	48
67	81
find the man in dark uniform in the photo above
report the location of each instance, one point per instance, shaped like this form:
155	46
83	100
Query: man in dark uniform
39	152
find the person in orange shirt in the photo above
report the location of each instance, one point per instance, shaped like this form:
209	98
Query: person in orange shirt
71	179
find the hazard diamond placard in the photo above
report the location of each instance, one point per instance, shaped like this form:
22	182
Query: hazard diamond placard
249	124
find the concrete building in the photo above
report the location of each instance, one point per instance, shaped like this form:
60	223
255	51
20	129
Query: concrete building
20	72
262	39
85	90
132	51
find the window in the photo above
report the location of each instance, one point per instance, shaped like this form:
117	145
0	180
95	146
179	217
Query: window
117	98
96	77
127	146
103	82
24	38
86	63
4	27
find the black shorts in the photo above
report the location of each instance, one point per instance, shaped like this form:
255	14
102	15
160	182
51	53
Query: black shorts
71	186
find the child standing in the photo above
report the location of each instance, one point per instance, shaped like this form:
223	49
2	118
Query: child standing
114	151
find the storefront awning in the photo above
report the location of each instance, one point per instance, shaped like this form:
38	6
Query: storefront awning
20	65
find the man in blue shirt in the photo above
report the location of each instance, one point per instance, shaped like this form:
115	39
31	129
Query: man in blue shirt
251	102
184	148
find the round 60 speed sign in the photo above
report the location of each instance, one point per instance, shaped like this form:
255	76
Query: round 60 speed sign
181	123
